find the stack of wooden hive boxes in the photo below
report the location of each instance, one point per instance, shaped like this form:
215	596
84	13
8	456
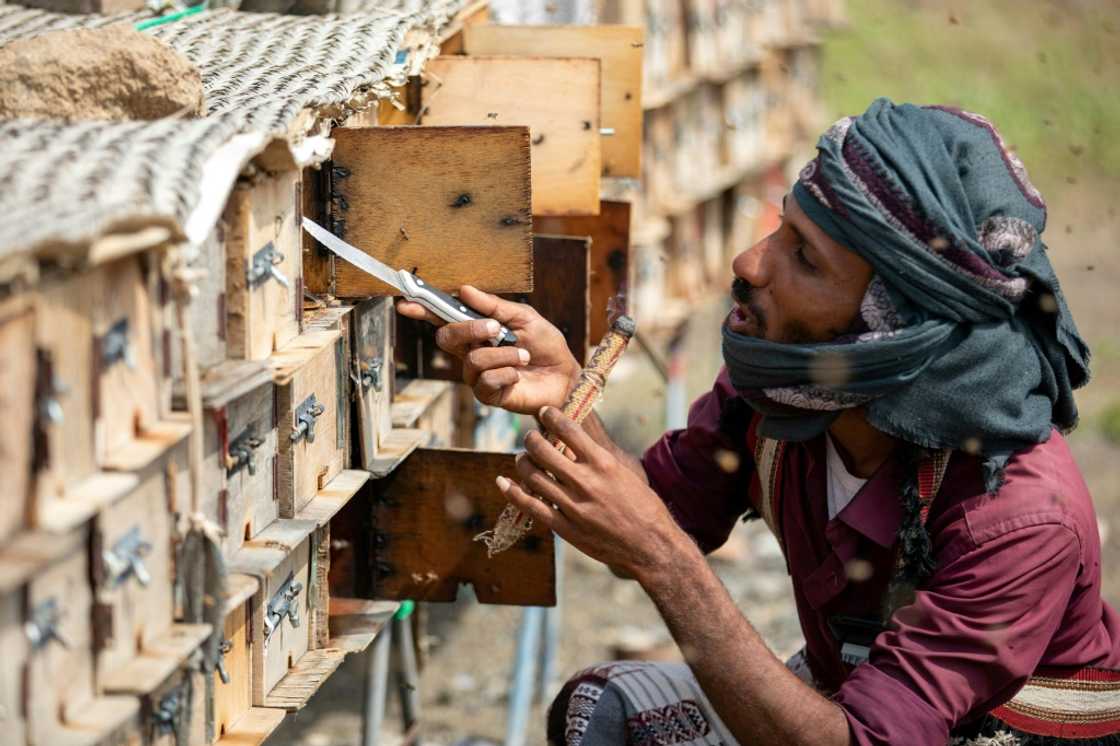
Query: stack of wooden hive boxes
283	410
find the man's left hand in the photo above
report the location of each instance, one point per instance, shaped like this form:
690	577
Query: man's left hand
594	501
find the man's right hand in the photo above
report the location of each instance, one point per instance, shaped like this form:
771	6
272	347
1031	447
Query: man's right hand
539	371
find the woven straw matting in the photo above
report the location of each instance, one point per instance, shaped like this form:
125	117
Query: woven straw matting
70	183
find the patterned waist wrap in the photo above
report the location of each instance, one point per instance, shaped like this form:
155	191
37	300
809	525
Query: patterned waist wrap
964	339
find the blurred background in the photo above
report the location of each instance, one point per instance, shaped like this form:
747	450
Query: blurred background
1047	73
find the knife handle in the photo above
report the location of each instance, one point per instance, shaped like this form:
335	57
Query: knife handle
447	307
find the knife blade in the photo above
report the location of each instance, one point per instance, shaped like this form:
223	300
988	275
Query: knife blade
409	285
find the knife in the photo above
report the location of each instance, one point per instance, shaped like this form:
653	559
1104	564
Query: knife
410	286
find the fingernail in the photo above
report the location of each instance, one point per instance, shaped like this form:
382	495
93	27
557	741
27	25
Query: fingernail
503	483
523	355
493	327
543	411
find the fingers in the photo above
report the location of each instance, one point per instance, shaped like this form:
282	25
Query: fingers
482	359
509	313
490	388
540	511
463	336
418	312
575	437
548	457
541	484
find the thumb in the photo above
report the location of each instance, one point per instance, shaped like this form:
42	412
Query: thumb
505	311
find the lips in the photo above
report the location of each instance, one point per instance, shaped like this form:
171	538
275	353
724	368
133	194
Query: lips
741	320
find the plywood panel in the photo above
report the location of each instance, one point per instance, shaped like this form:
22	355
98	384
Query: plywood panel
64	334
373	373
619	48
17	402
264	316
425	517
304	465
251	500
128	396
234	699
609	263
558	99
274	656
450	204
561	290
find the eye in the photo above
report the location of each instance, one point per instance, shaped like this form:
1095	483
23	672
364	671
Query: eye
803	259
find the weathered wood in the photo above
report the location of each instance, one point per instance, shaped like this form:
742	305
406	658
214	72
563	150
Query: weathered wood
207	306
105	720
304	679
318	593
253	728
318	453
105	7
184	694
263	315
64	334
133	613
610	259
333	497
396	448
425	517
355	622
128	395
17	402
249	496
563	125
233	700
450	204
159	660
561	287
13	650
373	372
149	445
619	48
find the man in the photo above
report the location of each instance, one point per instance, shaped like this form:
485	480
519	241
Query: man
899	364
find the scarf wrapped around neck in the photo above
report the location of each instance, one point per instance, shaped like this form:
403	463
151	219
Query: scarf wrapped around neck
964	339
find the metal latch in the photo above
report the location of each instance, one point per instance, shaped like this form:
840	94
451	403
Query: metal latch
126	558
282	604
165	716
117	346
306	414
241	453
224	647
42	627
370	373
265	264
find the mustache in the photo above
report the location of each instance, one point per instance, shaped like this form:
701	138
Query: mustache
742	291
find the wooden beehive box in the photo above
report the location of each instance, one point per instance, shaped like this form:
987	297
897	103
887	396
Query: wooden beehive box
743	101
373	371
13	648
17	402
312	410
264	269
104	7
280	559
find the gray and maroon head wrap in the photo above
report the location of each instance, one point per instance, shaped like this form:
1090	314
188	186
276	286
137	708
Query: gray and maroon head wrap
966	341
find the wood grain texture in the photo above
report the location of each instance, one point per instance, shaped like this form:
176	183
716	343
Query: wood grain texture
140	613
128	397
372	347
232	701
13	649
561	293
450	204
64	333
251	500
318	594
17	402
558	99
318	263
272	659
304	679
265	317
207	306
252	729
425	517
619	48
609	262
60	677
304	466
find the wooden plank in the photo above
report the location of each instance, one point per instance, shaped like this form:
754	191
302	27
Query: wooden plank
32	552
610	259
64	334
250	493
308	463
450	204
233	700
274	656
104	720
17	402
561	267
415	399
13	650
160	658
82	501
264	316
304	679
425	519
128	393
253	728
149	445
558	99
373	370
619	48
355	622
333	497
396	448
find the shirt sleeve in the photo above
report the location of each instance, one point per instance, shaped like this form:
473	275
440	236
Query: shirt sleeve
701	472
970	639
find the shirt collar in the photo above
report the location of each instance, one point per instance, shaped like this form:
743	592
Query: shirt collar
876	510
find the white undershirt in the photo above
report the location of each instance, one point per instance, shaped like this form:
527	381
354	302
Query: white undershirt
842	486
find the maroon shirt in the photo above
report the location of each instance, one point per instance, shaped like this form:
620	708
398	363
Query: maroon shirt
1017	584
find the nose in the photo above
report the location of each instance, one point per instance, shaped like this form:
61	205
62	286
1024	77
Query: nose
752	265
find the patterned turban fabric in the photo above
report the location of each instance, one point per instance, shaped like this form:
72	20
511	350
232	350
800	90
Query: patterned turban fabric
964	340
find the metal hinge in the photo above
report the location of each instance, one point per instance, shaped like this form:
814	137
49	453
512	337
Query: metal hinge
282	604
306	414
224	647
370	373
265	264
166	713
117	346
241	453
42	627
126	559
